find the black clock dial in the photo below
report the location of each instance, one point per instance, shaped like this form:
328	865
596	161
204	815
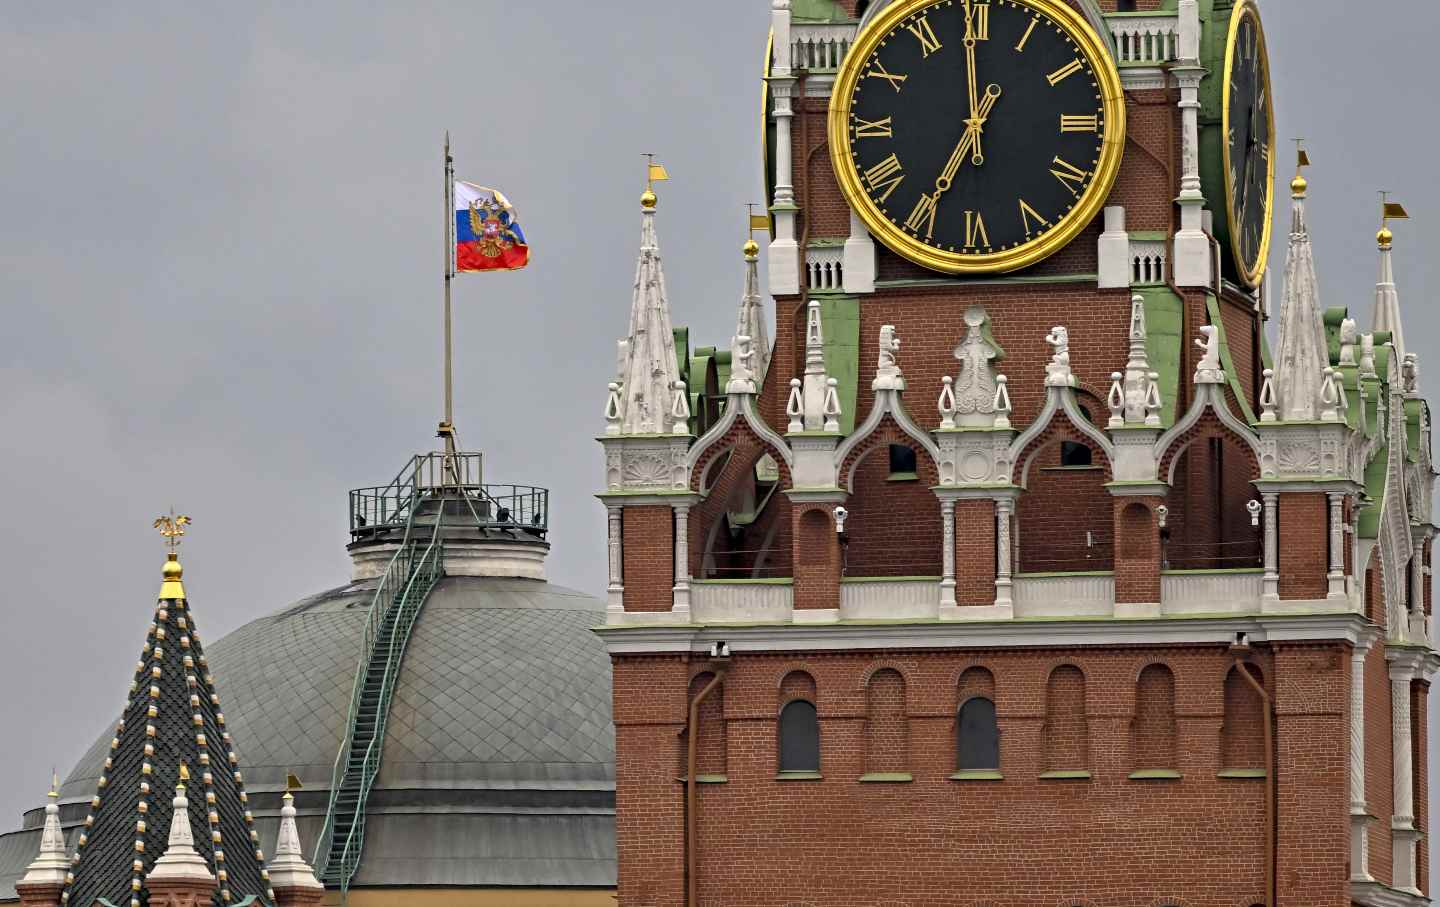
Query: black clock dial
1249	145
976	128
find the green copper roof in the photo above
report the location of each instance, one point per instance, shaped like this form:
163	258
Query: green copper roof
817	11
1162	344
1212	306
840	319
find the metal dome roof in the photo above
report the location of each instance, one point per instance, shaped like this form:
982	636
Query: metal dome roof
498	766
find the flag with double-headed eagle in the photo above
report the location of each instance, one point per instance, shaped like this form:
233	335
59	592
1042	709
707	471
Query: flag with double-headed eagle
487	233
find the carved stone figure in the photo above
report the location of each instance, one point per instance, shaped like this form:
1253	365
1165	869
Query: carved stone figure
1410	374
1057	372
1367	356
887	368
974	387
742	377
1349	336
1207	370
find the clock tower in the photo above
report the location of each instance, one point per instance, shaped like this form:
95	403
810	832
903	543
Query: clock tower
1020	569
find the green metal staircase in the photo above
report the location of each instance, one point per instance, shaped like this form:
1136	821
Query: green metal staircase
413	571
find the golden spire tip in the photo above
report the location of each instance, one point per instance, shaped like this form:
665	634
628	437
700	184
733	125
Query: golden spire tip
1302	160
172	527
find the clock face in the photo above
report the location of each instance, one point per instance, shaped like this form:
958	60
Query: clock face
1249	123
976	136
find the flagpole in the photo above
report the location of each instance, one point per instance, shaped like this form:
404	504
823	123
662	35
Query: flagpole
447	427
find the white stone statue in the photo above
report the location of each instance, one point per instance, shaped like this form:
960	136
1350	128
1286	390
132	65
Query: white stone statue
1367	356
887	369
742	377
974	387
1349	336
1207	370
1410	374
1057	372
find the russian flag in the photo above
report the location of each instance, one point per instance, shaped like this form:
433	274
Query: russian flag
487	234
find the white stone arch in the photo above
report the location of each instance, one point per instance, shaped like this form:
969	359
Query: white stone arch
886	402
1057	400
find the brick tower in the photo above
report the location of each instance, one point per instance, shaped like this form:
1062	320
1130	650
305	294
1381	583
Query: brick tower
1020	570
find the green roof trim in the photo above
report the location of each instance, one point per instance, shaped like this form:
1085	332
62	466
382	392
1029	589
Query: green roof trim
1212	307
1163	316
1413	408
1332	318
1368	522
840	321
818	11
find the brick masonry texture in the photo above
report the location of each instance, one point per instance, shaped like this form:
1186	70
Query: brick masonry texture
649	557
1104	840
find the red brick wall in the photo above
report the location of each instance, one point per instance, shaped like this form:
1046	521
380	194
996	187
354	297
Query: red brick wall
1239	320
710	741
1137	549
887	738
816	556
1304	545
975	552
894	527
1152	732
649	556
1057	509
1242	736
1108	839
1066	731
1379	760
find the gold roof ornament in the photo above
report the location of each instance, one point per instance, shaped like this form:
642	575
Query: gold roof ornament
1302	160
1388	210
653	173
172	527
751	249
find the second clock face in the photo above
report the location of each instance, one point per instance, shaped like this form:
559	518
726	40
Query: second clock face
976	136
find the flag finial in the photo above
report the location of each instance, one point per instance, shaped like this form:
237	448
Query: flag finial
653	173
1388	210
1302	160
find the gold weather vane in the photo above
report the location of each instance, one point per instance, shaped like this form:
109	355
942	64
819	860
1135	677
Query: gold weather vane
1302	160
1389	211
653	173
757	221
172	527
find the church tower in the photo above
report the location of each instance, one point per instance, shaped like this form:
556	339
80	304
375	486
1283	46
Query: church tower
1021	570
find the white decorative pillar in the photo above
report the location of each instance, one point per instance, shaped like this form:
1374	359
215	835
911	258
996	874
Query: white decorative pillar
858	265
1003	509
680	602
947	556
1114	250
615	591
1416	628
1270	589
784	258
1335	579
1402	822
1359	812
1192	266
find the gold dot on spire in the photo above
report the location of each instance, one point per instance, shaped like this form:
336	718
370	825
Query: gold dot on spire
647	199
751	248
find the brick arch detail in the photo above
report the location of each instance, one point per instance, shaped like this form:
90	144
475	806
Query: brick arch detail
1060	428
739	435
1170	902
873	669
782	700
1207	426
888	432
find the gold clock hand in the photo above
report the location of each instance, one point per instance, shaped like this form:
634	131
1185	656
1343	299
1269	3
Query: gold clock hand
977	123
970	58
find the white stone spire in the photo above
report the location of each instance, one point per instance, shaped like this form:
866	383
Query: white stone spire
288	869
180	862
1139	388
1301	353
648	371
751	322
816	387
1387	298
52	863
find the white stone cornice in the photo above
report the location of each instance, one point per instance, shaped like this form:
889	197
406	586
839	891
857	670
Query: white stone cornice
1377	894
930	634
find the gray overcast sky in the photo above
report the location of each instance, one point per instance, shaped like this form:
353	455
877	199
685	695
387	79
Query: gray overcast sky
220	276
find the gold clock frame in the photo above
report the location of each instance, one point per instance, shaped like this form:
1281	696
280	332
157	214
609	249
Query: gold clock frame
1025	254
1250	276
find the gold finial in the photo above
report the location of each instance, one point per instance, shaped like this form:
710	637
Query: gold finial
54	785
1302	159
172	527
184	776
1388	210
653	173
292	784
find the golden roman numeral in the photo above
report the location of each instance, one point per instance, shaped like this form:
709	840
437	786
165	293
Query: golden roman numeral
1027	212
1077	123
880	129
1069	69
885	175
880	72
975	230
977	24
1026	37
921	29
923	216
1070	176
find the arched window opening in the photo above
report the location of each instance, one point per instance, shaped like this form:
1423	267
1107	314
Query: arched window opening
978	743
887	736
799	737
1125	6
1067	734
1152	731
902	463
1209	525
1242	740
1073	453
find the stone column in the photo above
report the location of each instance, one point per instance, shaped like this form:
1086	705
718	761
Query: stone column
1402	822
1416	603
1359	812
1270	589
680	603
1335	578
1192	266
784	258
615	591
947	554
1004	507
859	258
